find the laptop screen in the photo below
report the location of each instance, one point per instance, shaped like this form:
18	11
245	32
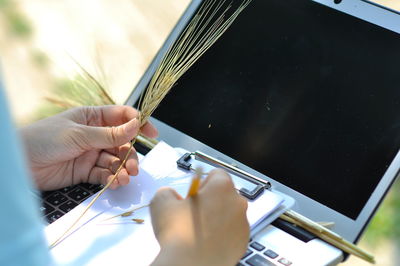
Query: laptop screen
302	93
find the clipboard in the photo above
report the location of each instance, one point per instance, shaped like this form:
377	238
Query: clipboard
248	185
99	240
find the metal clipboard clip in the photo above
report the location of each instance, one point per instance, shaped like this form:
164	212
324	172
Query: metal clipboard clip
249	186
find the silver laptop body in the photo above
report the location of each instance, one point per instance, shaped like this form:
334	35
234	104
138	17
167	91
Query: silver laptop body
301	45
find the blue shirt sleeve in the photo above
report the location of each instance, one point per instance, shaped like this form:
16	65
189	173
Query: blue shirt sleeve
22	239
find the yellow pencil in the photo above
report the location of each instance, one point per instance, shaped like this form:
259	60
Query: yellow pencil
195	185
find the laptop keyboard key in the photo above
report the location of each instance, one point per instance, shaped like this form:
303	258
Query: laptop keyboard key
258	260
257	246
67	206
45	194
248	252
97	189
52	217
56	199
91	187
67	189
271	254
46	209
284	262
79	194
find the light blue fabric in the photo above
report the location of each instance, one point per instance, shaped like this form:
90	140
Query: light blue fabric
21	231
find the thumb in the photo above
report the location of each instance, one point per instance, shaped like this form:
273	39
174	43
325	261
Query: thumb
164	198
165	195
161	207
110	137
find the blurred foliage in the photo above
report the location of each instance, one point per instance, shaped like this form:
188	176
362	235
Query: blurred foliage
83	90
17	23
40	59
386	222
5	3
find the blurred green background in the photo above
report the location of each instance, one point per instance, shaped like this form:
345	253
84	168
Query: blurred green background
116	42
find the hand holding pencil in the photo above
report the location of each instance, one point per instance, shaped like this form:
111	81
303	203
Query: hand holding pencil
195	185
199	232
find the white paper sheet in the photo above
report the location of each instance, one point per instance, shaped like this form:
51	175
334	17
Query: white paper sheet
120	241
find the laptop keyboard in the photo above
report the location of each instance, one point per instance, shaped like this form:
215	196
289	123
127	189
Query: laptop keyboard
57	203
259	255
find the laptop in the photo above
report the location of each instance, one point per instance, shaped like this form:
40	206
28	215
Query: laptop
306	95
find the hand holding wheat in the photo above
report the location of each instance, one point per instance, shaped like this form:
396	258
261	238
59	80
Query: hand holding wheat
83	145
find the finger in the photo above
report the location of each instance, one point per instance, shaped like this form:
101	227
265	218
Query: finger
115	115
109	161
149	130
162	206
116	150
122	179
218	179
83	164
132	163
108	137
243	203
99	175
165	195
162	201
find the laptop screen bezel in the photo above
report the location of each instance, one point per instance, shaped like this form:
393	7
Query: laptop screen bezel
348	228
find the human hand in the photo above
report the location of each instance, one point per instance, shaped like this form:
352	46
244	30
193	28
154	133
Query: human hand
210	228
83	145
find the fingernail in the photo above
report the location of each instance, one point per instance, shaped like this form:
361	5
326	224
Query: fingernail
132	126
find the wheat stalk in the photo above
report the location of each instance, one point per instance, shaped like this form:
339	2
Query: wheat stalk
127	213
204	29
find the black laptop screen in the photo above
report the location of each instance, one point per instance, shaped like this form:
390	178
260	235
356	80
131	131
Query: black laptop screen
301	93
